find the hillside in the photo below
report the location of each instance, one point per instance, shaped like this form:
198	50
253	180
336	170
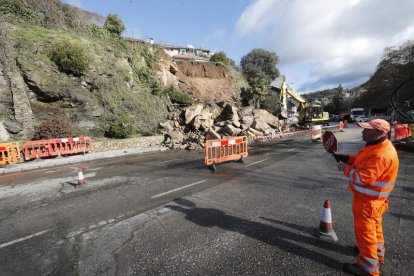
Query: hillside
126	83
395	68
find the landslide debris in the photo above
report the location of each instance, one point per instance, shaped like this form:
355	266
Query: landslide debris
190	127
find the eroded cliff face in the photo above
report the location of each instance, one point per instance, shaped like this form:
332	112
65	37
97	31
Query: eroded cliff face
119	81
206	82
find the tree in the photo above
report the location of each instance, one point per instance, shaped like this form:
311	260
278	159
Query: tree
260	63
220	57
259	90
114	24
339	97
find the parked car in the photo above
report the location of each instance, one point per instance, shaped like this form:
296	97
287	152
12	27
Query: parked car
362	119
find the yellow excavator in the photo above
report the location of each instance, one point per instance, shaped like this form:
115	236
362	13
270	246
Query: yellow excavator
309	113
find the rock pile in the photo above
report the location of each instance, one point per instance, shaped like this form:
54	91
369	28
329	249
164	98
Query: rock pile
190	127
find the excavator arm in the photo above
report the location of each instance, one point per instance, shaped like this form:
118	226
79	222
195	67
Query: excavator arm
310	113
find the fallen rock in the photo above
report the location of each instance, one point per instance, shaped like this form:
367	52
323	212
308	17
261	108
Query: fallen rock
192	111
13	127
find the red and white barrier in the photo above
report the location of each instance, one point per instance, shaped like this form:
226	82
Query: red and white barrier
316	132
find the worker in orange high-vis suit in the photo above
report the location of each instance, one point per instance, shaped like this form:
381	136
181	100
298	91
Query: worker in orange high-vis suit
372	174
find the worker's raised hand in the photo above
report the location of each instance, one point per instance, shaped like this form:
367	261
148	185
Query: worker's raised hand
341	166
341	157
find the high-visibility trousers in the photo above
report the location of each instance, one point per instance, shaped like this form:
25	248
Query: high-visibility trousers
369	234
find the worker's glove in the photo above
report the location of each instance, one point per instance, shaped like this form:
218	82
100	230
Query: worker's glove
341	157
341	166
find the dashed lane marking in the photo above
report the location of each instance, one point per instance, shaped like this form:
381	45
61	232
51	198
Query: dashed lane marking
24	238
166	161
257	162
183	187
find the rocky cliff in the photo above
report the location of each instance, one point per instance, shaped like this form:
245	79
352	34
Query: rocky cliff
124	77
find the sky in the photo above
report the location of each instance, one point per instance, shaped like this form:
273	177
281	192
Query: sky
320	43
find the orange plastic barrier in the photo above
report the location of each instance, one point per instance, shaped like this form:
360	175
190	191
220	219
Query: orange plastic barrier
9	153
56	147
401	131
227	149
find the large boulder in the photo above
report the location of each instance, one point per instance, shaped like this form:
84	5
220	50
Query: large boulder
211	135
176	137
192	111
13	127
231	130
253	132
214	110
166	126
246	111
261	126
266	117
203	121
229	113
247	120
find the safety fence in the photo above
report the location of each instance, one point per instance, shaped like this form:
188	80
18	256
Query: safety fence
56	147
401	131
316	132
226	149
9	153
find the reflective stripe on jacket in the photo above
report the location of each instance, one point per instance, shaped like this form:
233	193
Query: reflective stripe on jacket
373	171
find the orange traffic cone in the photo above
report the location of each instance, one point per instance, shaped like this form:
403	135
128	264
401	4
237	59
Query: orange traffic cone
326	230
341	126
81	179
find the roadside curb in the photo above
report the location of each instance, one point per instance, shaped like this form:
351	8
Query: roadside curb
73	159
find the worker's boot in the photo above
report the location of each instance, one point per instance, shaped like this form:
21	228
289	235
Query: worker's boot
356	252
354	269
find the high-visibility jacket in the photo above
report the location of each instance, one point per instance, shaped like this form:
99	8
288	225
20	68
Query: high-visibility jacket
373	171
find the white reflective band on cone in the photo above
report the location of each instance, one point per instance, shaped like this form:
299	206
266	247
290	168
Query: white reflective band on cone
326	215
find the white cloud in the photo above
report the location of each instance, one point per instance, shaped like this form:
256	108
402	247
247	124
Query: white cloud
343	39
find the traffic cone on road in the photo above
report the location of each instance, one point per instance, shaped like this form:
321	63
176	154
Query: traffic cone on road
341	126
325	230
81	179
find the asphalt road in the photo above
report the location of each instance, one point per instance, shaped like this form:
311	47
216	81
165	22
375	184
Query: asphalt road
165	213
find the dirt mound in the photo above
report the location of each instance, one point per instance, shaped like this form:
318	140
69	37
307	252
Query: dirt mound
207	82
203	70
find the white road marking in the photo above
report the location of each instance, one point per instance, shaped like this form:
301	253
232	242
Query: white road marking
24	238
292	149
257	162
165	161
183	187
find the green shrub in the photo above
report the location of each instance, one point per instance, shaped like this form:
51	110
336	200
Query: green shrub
220	57
17	10
114	24
71	57
122	127
53	128
177	96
